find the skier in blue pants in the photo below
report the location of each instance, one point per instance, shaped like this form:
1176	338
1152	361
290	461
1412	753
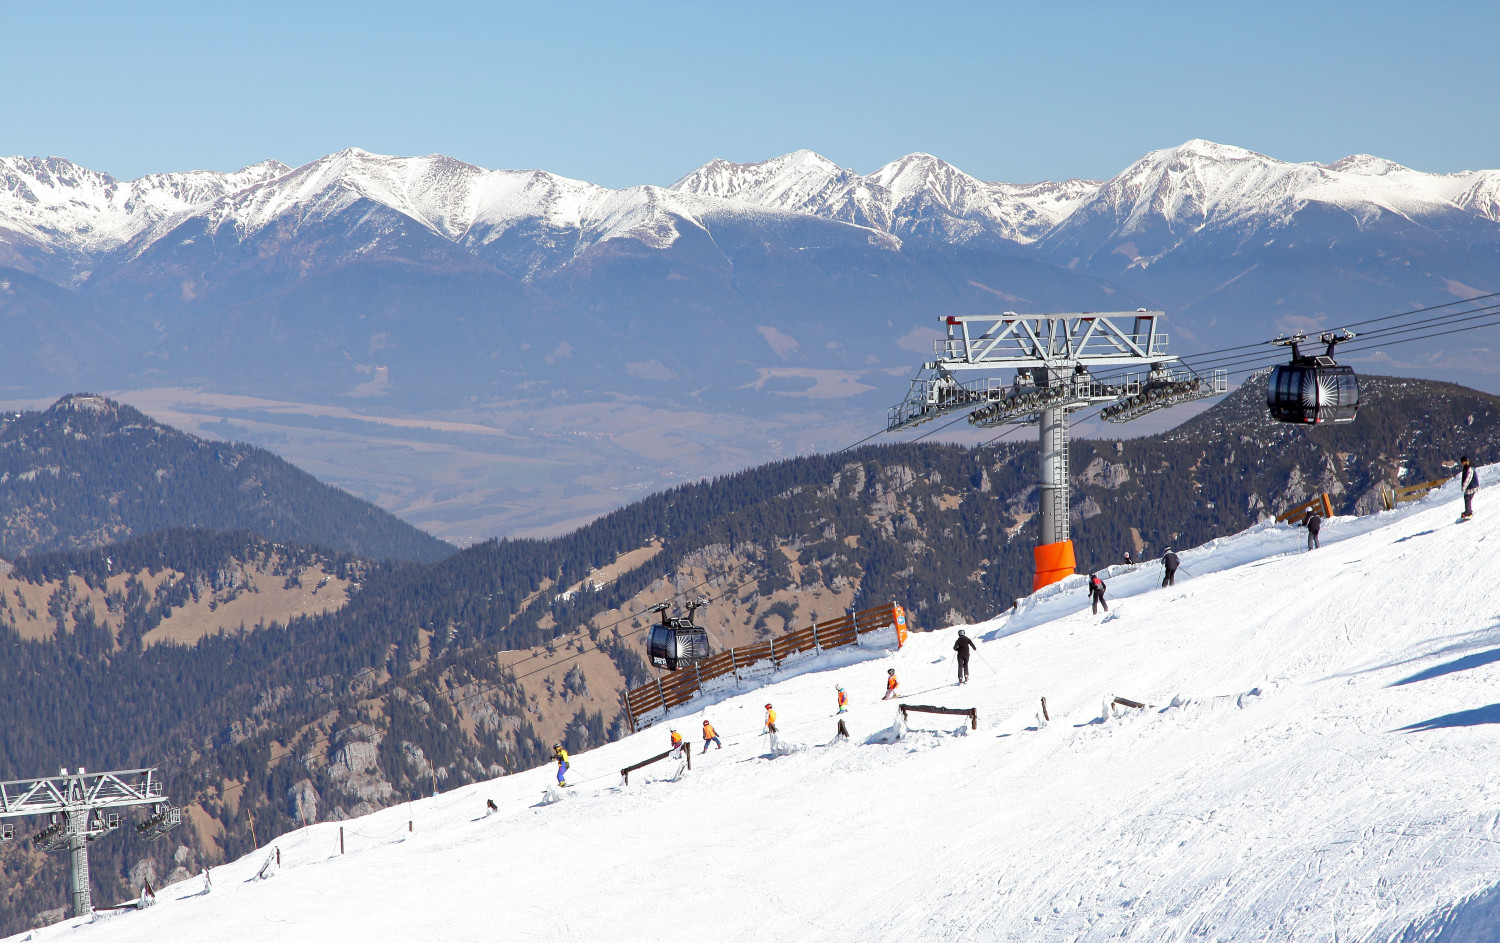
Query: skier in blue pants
561	755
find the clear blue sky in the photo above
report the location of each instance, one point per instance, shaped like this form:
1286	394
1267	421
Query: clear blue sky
625	93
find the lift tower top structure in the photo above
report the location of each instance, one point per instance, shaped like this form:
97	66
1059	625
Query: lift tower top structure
1061	363
79	808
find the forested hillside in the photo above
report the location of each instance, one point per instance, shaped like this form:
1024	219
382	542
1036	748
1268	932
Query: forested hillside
89	471
442	673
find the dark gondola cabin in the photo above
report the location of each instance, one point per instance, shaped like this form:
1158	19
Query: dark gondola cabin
676	643
1312	389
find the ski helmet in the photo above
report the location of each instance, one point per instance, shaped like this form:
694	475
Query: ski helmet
960	631
890	671
768	707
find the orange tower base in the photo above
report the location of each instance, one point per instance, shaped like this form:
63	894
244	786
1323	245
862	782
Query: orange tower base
1053	562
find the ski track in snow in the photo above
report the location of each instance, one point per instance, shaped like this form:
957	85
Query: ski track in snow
1314	765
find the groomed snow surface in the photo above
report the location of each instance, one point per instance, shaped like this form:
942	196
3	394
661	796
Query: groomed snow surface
1317	762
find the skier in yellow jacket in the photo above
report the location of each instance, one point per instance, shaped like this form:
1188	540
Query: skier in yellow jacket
770	719
561	756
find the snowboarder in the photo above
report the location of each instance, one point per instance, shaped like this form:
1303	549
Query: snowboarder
890	684
1170	562
1469	481
561	755
677	744
1096	593
710	736
1129	560
1313	523
963	645
770	720
843	699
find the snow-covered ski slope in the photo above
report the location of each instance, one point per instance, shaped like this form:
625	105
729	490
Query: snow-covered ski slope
1318	762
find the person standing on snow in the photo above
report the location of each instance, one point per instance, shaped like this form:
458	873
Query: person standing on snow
561	755
677	743
1170	562
890	684
843	699
1313	523
770	719
1096	593
963	646
1128	560
1469	482
710	736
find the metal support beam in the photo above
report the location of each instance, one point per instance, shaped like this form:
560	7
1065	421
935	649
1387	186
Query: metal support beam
78	863
1053	480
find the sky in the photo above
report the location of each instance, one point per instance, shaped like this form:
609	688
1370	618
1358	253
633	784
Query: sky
630	93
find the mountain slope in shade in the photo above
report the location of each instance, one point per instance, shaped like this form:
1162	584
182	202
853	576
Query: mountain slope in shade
89	471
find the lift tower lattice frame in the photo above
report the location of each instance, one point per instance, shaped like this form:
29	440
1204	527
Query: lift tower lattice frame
1054	357
78	806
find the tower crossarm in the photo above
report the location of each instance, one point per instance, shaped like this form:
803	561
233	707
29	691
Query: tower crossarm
1103	339
74	791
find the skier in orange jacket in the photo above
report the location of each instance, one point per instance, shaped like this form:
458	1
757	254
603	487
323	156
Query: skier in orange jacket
677	742
843	699
710	736
770	719
890	684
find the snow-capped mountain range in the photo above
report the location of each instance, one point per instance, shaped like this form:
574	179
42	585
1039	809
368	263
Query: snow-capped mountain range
740	281
61	221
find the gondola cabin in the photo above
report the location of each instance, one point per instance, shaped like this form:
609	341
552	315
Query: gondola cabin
676	643
1314	389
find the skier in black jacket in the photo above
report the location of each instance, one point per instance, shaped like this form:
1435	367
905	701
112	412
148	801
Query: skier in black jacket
1096	593
1170	562
963	646
1469	482
1313	523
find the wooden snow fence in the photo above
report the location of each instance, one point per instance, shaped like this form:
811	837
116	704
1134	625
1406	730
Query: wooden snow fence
728	670
970	712
1393	497
1318	502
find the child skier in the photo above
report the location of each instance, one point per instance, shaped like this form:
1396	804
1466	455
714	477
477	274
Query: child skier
843	699
710	736
890	684
770	720
561	755
677	743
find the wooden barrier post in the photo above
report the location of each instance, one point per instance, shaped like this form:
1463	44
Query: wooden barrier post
341	839
629	713
1045	716
1127	702
655	759
970	712
1327	506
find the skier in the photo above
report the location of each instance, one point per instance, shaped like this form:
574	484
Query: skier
1170	562
561	755
963	645
710	736
677	743
890	684
843	699
1129	561
1469	481
1096	593
1313	523
770	720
